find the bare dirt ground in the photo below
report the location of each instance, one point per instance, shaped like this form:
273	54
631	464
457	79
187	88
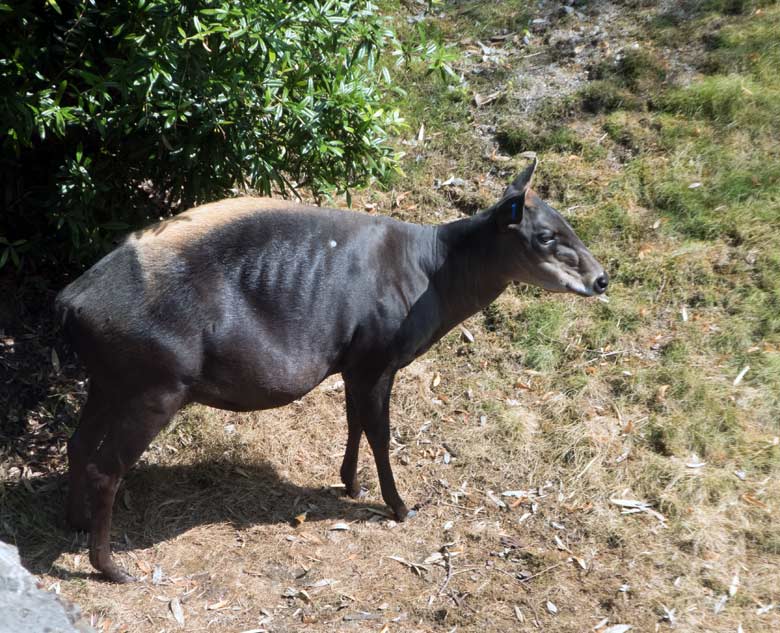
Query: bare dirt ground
533	511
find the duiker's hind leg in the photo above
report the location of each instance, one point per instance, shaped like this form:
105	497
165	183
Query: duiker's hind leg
87	437
131	432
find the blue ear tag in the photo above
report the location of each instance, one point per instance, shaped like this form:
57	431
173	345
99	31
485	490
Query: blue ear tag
514	211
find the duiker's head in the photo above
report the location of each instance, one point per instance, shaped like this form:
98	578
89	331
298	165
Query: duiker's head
541	246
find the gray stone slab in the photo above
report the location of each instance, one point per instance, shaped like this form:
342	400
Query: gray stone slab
24	608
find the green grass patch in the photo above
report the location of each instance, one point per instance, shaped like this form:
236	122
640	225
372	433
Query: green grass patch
637	69
540	333
517	136
727	100
479	19
607	96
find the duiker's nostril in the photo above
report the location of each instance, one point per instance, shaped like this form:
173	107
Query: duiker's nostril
601	283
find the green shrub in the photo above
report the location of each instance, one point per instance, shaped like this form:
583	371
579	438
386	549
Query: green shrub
116	113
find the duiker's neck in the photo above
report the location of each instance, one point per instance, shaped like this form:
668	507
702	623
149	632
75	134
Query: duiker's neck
470	273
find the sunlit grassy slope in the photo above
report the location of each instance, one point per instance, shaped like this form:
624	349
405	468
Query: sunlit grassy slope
673	179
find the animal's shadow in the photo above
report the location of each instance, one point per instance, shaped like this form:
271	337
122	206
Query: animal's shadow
157	503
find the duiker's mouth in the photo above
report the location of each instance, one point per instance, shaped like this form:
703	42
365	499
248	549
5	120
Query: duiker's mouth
580	289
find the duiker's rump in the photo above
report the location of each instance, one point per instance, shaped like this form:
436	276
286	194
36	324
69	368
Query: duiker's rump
250	303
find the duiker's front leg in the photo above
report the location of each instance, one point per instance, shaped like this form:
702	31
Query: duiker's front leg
349	465
370	398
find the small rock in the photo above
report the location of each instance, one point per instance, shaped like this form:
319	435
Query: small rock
539	25
565	43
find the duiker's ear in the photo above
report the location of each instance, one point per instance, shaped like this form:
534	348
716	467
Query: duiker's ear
520	184
509	210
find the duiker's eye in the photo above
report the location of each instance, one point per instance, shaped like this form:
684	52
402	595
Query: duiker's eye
546	238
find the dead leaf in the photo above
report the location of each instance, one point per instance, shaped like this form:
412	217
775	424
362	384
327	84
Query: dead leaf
433	558
292	592
300	519
498	503
511	542
339	527
361	616
583	565
480	100
741	375
631	506
398	198
178	613
325	582
734	585
436	380
754	502
519	494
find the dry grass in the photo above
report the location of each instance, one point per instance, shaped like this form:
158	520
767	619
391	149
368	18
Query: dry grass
575	402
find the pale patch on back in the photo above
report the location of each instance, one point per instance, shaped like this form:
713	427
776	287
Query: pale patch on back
159	246
190	226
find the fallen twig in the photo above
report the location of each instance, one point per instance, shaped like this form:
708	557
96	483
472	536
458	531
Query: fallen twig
544	571
448	563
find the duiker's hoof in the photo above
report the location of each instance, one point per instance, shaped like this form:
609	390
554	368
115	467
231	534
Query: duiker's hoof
358	493
402	513
117	575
